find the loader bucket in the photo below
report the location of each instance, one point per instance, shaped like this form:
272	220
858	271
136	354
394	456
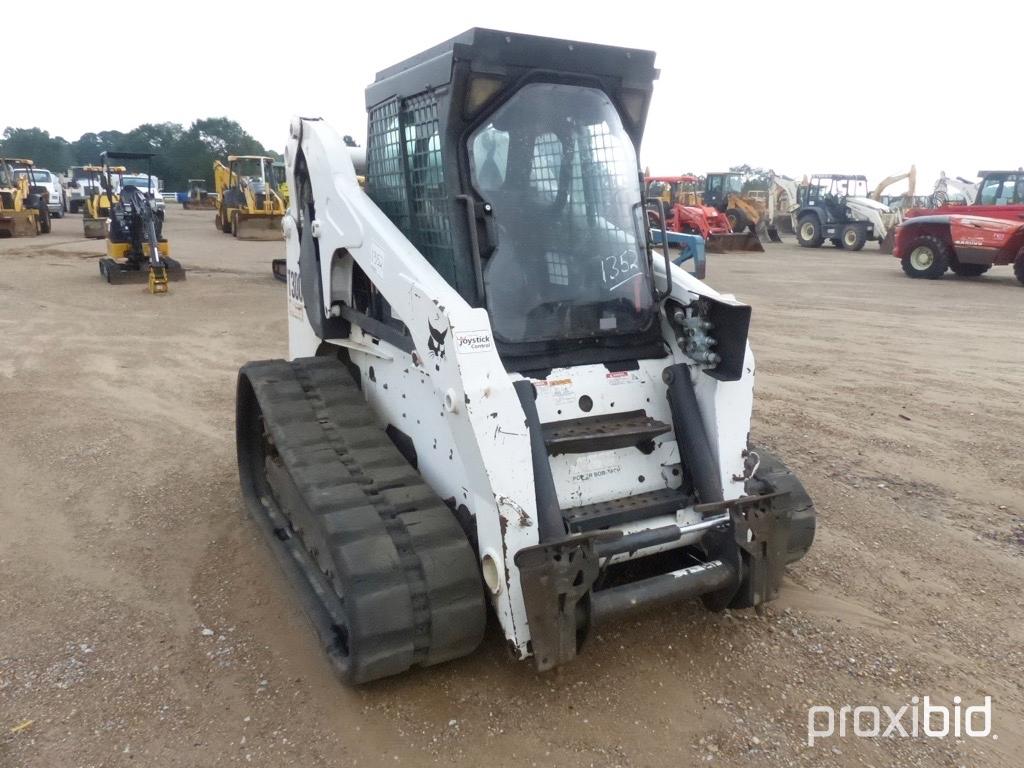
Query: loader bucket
773	235
733	241
886	244
18	224
258	227
94	228
203	204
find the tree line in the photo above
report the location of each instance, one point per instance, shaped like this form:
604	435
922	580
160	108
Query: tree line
182	153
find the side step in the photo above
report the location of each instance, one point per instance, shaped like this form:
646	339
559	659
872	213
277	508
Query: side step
604	514
602	433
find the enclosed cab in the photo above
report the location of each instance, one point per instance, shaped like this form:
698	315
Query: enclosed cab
721	191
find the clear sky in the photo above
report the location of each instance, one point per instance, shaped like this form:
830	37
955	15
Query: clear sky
860	87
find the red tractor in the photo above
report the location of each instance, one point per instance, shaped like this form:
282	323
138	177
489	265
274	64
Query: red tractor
930	243
685	212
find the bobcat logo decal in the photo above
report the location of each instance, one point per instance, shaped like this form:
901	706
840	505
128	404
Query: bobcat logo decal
435	344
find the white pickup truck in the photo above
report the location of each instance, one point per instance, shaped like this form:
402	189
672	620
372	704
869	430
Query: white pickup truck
145	184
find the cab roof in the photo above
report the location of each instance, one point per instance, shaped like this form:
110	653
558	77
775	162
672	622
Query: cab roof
127	155
686	179
494	51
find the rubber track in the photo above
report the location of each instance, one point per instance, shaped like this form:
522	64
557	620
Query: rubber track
381	555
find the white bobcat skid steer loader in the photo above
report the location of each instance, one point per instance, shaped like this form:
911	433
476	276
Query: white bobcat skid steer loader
498	391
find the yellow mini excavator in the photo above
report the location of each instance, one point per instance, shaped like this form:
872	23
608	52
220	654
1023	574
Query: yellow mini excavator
250	205
137	251
105	183
23	208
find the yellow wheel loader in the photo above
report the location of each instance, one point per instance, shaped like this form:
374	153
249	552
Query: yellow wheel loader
746	214
105	183
199	199
250	205
24	208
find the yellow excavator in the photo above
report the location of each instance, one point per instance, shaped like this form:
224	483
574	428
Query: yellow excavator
105	182
906	201
24	211
250	204
137	251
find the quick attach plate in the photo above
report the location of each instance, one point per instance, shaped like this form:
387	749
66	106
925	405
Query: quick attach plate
556	577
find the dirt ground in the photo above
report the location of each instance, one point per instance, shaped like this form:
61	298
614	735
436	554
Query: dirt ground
143	622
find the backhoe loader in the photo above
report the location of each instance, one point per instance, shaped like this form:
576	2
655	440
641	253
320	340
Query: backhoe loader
137	251
836	207
497	390
104	185
199	199
24	208
250	206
